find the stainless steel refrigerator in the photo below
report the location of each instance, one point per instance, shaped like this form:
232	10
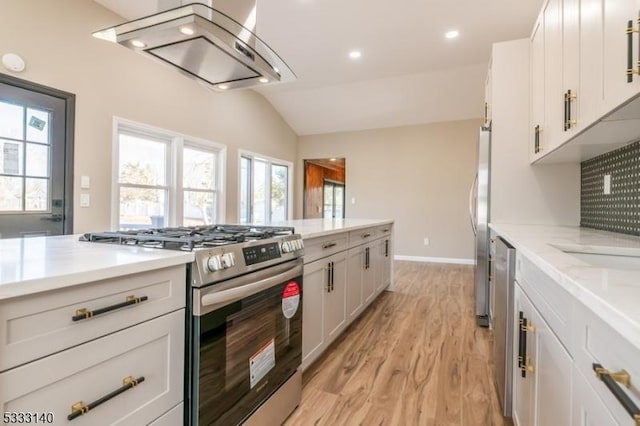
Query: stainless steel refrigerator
479	215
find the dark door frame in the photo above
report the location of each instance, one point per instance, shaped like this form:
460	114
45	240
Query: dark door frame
70	114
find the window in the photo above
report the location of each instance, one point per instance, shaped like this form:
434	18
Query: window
265	184
165	178
25	170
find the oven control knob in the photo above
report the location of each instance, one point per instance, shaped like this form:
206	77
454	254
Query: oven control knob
299	245
215	263
286	247
228	260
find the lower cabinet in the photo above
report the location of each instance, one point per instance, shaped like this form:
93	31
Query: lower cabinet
324	313
588	408
128	377
339	286
543	373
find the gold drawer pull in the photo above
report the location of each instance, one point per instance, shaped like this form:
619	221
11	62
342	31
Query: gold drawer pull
84	313
80	408
611	381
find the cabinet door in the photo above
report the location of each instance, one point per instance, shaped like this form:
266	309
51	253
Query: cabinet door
488	83
553	98
523	386
590	96
383	264
537	89
618	15
553	374
355	269
369	273
315	281
588	408
572	99
335	311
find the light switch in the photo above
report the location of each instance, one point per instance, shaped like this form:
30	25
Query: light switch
607	184
85	182
85	200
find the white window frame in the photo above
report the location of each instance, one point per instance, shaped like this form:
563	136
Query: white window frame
176	142
270	161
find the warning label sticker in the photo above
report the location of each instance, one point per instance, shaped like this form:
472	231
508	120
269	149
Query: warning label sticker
262	362
290	299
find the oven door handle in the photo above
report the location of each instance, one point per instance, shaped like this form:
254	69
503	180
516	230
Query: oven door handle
221	298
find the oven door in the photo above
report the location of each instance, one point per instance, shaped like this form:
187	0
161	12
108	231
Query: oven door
247	336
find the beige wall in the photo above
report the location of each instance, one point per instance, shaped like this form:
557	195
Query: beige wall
54	38
417	175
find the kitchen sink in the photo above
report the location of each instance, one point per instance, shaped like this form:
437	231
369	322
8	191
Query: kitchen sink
603	257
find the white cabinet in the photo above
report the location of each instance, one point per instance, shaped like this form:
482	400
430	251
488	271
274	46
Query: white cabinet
598	344
537	124
620	50
340	282
571	96
355	277
587	408
542	391
590	95
553	100
108	352
324	314
151	353
488	87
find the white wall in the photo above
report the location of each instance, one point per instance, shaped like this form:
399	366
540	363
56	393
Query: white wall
418	176
54	37
522	193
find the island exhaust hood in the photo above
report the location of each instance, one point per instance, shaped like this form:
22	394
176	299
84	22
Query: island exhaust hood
205	44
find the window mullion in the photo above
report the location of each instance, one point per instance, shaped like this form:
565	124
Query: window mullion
177	191
268	189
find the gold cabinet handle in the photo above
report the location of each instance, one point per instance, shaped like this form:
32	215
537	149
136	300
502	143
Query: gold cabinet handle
611	381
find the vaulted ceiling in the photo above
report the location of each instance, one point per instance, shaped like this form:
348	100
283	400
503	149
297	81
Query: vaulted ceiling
409	73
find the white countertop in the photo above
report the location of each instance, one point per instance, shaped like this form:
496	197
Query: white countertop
311	228
32	265
613	294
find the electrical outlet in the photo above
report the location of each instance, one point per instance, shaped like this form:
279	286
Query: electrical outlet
426	241
607	184
85	200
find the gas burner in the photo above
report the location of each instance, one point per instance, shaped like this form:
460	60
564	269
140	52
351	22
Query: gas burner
188	238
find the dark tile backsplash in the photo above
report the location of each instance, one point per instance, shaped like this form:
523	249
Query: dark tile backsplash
620	210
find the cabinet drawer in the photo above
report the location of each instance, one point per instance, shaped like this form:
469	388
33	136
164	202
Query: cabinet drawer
597	342
153	350
383	231
552	301
38	325
317	248
174	417
363	236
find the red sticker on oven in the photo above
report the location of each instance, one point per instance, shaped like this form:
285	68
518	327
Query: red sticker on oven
290	299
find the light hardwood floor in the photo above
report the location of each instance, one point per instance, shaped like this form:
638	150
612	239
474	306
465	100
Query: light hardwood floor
414	357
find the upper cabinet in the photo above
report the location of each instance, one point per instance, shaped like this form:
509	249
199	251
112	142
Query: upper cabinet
584	79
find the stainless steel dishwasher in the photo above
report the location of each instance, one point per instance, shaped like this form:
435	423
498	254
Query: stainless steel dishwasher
503	321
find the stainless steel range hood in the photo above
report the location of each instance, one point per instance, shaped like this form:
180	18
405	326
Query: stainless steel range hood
205	44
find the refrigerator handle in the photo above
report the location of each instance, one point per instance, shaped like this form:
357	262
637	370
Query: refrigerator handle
472	205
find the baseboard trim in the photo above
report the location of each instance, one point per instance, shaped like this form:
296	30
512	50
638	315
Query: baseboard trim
453	260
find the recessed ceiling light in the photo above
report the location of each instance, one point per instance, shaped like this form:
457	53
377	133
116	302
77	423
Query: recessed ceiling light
332	159
138	43
187	31
355	54
223	86
452	34
263	80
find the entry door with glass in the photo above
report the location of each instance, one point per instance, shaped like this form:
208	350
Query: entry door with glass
32	163
333	200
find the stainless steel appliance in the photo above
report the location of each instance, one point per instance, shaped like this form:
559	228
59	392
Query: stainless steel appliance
503	321
479	215
217	47
244	319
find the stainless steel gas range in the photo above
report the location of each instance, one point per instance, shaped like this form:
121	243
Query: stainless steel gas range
244	319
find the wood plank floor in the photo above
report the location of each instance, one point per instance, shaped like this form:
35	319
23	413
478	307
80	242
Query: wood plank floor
414	357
